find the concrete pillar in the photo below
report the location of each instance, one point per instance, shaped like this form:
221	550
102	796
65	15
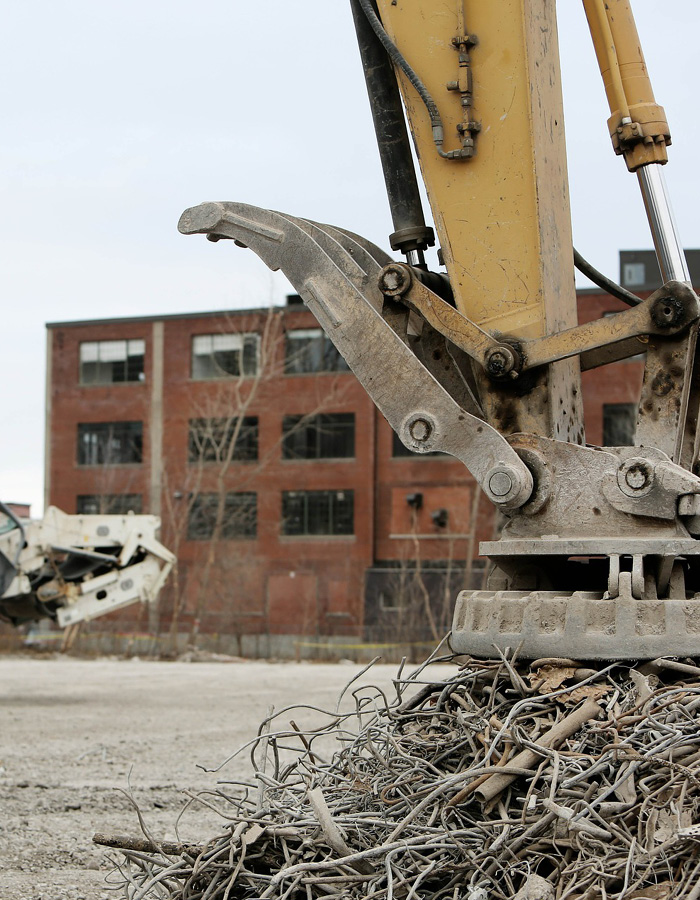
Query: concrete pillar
155	424
47	419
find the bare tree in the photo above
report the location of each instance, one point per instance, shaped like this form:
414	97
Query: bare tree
212	500
415	601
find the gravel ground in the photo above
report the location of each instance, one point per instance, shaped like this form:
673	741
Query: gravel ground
72	732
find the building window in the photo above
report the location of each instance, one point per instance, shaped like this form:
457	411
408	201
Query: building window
619	424
111	362
311	350
392	600
633	275
400	451
108	504
324	436
224	355
110	443
317	512
210	440
239	516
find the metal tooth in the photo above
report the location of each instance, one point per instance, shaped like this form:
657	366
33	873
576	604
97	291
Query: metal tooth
363	277
371	259
360	261
330	245
358	245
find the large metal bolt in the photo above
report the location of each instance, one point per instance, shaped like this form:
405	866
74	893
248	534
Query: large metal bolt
502	362
508	486
667	312
394	280
420	430
500	484
638	476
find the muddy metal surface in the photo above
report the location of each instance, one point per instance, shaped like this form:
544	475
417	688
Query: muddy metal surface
73	731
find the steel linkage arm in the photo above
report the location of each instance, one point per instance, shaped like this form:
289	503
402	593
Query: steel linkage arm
668	312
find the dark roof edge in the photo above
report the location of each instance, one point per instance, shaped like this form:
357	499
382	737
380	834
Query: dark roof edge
257	310
170	316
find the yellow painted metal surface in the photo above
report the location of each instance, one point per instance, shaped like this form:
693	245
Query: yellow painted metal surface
503	216
643	137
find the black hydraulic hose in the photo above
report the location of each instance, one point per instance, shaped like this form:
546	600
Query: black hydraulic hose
399	175
410	230
397	57
604	282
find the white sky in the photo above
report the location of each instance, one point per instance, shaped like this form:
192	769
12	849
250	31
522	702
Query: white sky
117	116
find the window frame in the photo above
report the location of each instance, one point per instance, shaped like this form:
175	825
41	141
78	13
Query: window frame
325	353
102	364
219	372
103	434
317	433
632	272
108	501
205	502
608	408
306	496
212	439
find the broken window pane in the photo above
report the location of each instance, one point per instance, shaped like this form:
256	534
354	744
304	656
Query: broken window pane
112	362
110	443
224	355
311	350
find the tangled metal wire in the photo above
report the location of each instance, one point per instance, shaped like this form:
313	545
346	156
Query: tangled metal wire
543	781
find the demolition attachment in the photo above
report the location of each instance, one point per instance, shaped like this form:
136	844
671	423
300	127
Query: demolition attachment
75	568
598	557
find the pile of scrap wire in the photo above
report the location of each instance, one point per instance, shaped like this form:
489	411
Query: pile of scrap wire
538	781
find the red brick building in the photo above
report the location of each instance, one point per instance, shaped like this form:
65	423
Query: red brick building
297	516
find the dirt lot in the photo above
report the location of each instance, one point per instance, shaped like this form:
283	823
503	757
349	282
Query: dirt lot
73	731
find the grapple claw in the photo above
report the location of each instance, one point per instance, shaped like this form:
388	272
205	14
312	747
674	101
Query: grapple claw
336	273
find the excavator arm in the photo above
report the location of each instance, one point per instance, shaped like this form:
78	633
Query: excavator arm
599	556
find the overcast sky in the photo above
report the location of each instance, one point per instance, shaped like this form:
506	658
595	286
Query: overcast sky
117	116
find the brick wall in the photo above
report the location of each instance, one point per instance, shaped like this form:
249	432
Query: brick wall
273	583
617	383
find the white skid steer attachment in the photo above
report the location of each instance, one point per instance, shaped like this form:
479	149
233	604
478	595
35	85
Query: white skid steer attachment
74	568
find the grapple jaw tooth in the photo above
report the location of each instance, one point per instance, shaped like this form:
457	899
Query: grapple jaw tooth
250	226
202	219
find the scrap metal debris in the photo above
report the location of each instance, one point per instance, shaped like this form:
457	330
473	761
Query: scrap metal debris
540	781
